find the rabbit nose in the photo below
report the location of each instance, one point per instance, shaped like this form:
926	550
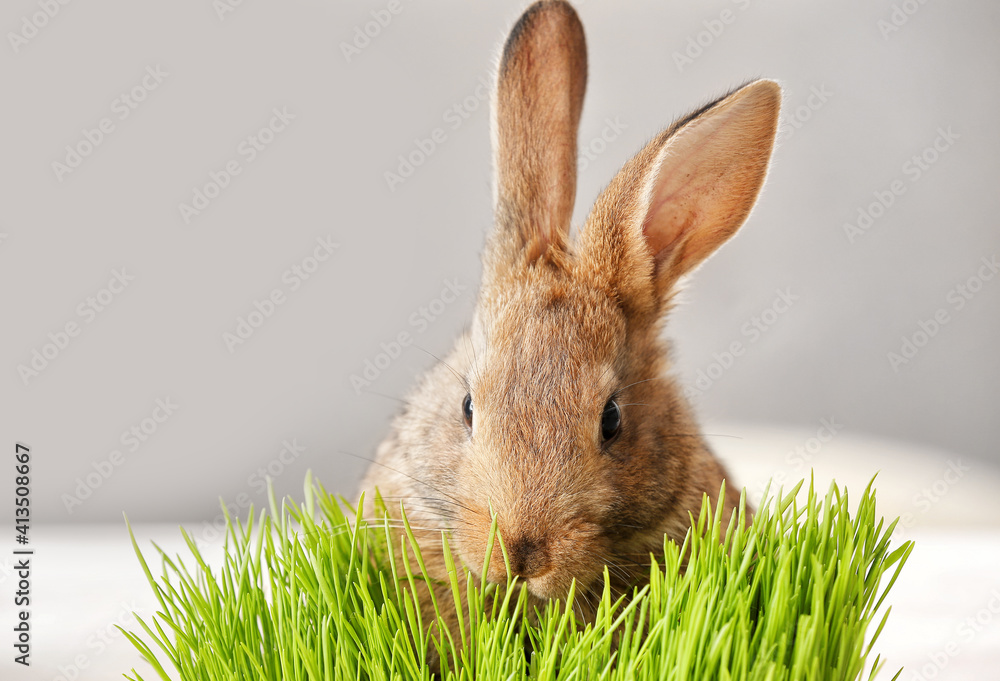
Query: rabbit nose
529	557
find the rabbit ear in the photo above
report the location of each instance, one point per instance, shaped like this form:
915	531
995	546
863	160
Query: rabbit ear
540	86
685	193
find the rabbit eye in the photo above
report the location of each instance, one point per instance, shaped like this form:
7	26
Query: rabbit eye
467	409
611	420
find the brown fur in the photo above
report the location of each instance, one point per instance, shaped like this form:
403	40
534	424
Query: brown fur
561	328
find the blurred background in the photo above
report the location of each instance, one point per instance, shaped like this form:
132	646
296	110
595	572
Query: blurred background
234	232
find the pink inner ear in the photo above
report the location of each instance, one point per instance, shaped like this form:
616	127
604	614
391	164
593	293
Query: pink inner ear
690	189
684	199
672	213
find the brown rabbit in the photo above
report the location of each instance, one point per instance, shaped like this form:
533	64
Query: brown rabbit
555	408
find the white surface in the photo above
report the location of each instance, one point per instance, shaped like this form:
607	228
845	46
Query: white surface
945	621
923	486
84	581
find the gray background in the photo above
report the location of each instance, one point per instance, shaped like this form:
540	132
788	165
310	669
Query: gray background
324	176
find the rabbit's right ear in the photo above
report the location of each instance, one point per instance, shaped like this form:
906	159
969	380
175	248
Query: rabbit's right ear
540	86
682	196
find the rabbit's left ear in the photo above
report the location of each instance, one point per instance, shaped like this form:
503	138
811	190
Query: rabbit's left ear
540	86
684	194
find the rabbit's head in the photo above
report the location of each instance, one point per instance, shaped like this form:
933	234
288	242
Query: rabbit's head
555	412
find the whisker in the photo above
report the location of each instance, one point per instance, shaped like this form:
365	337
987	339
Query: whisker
475	367
436	500
645	380
388	397
419	482
460	377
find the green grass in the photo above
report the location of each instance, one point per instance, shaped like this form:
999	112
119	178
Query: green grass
304	594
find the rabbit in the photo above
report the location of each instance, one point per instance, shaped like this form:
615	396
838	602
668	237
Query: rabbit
556	410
